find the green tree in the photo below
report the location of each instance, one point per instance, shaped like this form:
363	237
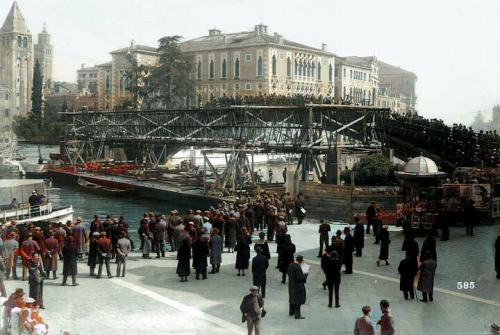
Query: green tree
36	92
172	81
372	170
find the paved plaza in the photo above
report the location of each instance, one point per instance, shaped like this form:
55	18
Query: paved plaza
152	300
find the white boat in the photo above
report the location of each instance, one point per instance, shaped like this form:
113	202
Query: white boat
21	211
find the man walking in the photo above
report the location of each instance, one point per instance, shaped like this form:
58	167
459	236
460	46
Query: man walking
252	307
331	265
259	268
296	287
324	238
123	248
104	247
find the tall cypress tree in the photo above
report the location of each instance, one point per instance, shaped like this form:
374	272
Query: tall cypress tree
36	93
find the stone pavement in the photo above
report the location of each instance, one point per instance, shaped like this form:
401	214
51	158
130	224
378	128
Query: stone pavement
152	300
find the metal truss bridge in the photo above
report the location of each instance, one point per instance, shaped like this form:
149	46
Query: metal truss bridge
307	130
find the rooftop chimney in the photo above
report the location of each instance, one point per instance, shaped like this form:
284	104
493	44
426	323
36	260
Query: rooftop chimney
214	32
323	46
261	29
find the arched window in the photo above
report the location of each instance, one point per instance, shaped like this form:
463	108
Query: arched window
313	69
224	69
274	65
237	68
309	69
319	70
296	67
288	67
198	70
300	68
260	67
25	42
212	69
122	84
330	73
19	41
107	82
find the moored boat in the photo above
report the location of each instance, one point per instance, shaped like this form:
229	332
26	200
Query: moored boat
15	204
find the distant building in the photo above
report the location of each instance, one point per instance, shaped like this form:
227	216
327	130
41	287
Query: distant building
254	62
86	79
106	86
481	123
400	83
386	100
122	60
62	88
356	80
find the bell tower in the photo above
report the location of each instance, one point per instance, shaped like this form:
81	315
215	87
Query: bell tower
44	55
16	63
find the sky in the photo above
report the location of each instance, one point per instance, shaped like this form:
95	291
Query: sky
452	45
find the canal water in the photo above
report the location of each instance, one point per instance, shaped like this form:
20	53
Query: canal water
87	204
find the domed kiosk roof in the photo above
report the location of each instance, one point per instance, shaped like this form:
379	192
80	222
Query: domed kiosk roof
421	166
420	169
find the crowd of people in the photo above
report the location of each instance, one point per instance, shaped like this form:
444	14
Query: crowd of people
199	238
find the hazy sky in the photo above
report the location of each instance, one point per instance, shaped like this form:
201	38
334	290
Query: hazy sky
453	46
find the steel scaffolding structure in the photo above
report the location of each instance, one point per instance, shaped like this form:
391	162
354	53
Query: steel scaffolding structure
270	128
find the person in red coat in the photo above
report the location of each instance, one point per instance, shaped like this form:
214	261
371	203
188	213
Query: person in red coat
104	248
52	251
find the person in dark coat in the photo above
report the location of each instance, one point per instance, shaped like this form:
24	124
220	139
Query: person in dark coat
285	256
324	237
407	269
410	246
471	216
331	265
70	256
426	278
230	228
259	268
384	246
429	245
348	250
300	208
296	287
200	254
262	244
92	261
183	259
497	257
359	237
444	219
36	276
371	218
242	249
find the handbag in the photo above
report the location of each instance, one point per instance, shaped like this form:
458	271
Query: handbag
263	313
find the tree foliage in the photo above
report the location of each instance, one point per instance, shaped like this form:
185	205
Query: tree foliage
372	170
36	92
48	129
172	80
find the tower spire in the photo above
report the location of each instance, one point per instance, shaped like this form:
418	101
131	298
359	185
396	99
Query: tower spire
15	21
